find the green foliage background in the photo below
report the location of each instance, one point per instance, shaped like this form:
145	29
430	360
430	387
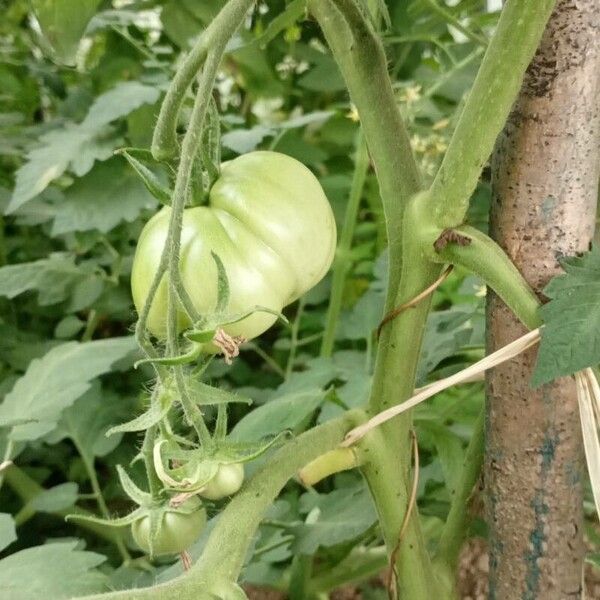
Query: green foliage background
73	93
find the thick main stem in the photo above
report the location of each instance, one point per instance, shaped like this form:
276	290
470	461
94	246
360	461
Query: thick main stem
496	86
545	175
385	453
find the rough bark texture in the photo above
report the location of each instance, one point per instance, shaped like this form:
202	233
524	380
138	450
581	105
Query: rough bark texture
545	176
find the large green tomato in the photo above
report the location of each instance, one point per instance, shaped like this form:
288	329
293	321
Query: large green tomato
270	223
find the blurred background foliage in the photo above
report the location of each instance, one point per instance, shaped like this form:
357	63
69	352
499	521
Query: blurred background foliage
72	91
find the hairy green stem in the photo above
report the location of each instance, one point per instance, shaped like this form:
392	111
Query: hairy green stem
343	261
164	141
154	483
294	339
230	539
360	56
455	528
99	497
499	79
386	453
483	257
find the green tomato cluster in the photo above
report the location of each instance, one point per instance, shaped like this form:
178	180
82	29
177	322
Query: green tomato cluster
271	225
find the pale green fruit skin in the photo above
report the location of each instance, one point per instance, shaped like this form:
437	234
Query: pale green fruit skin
271	224
178	532
226	482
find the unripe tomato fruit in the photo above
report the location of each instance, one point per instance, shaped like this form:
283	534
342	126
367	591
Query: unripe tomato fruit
226	482
270	223
177	532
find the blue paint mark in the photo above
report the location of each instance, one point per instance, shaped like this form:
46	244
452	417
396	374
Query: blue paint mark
540	510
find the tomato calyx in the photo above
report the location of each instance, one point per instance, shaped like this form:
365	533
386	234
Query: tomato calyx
214	470
158	526
208	331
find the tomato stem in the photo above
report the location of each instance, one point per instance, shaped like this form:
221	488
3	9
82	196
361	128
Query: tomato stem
343	260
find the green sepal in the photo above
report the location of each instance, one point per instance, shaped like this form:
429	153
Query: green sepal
138	513
140	497
229	452
157	412
210	148
222	284
161	192
221	423
193	475
205	330
203	395
190	356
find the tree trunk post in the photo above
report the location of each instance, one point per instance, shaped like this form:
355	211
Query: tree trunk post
545	187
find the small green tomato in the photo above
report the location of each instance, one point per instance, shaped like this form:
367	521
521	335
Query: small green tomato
226	482
178	529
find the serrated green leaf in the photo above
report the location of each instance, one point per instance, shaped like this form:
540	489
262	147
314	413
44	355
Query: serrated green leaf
286	412
63	22
58	571
72	147
54	499
246	140
8	532
118	102
571	333
342	515
53	382
109	194
87	421
54	278
77	147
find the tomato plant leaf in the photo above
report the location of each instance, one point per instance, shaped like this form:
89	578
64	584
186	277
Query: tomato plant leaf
8	532
54	499
63	22
77	147
339	516
286	412
108	195
87	421
52	383
571	333
73	147
54	278
56	570
118	102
